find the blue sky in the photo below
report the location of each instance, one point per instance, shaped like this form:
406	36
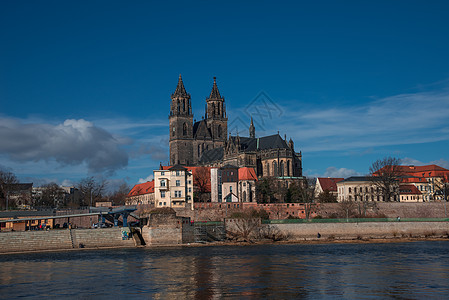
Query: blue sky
85	86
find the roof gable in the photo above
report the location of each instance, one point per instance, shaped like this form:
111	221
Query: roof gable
142	189
329	184
247	173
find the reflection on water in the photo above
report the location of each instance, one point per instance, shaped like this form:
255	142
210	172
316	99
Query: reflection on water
405	270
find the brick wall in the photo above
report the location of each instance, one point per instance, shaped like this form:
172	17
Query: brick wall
219	211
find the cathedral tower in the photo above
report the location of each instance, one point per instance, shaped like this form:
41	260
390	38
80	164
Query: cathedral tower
216	118
181	126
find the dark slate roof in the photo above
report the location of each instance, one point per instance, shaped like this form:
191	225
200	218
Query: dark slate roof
212	155
177	168
19	186
246	145
228	166
200	130
274	141
360	178
26	213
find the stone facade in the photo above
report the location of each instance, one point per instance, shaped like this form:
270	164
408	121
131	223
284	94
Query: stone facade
206	142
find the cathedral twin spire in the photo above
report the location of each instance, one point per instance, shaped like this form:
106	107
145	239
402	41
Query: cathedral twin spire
180	89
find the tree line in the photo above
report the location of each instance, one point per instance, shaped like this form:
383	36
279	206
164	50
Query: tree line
86	192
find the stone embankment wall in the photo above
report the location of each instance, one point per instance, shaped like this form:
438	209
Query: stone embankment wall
366	230
167	229
23	241
219	211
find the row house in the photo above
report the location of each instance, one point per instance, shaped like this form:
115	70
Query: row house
142	193
233	184
361	188
430	180
173	187
326	184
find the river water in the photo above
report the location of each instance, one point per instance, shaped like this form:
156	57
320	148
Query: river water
415	270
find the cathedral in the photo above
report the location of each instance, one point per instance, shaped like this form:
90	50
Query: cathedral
206	142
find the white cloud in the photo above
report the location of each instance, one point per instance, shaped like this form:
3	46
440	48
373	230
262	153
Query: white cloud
67	182
74	142
411	161
148	178
397	120
340	172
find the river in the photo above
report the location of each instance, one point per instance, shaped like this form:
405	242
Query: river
413	270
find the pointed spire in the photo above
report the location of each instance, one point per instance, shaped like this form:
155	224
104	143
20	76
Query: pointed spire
180	89
215	94
252	129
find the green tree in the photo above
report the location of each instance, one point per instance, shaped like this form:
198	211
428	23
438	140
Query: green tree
326	197
265	190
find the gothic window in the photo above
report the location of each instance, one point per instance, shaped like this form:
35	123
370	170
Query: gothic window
244	196
275	169
288	168
219	131
281	169
199	151
184	129
173	131
268	169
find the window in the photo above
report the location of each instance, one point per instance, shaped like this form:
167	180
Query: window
190	182
162	194
349	189
178	194
230	189
178	173
190	190
178	182
162	173
163	182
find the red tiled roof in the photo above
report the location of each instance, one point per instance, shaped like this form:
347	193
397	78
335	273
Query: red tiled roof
408	189
329	184
142	189
247	174
414	179
421	171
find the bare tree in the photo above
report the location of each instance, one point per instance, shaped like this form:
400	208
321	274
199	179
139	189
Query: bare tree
118	197
201	182
441	184
347	208
385	174
7	178
92	190
52	196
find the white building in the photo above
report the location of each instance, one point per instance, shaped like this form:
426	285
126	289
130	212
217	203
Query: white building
173	187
